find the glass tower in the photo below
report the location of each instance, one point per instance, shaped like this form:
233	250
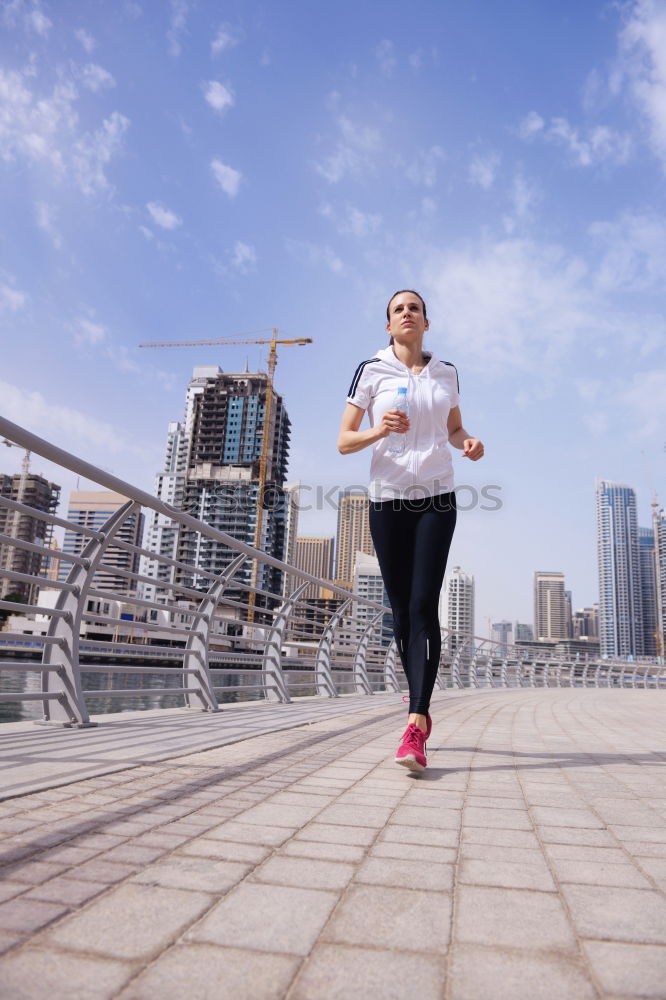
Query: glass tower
620	607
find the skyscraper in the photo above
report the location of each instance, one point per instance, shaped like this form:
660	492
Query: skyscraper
212	470
353	534
31	491
550	606
292	497
502	633
620	611
314	555
585	623
659	524
368	583
459	605
91	509
648	580
161	533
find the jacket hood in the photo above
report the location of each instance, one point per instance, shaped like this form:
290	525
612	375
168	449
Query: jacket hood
386	354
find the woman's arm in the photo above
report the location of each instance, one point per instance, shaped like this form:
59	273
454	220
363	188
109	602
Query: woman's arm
470	446
351	439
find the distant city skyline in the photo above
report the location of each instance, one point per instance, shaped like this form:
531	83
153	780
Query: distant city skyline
177	171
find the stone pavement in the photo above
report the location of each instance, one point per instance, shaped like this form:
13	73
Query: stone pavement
527	862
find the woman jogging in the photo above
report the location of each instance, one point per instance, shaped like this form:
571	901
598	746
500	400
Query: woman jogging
412	503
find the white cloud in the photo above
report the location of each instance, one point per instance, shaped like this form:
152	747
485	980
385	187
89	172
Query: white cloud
218	96
646	398
177	23
224	39
642	68
93	151
96	78
511	304
633	251
88	334
416	59
599	144
354	153
147	233
86	39
314	253
39	22
352	221
243	258
423	168
228	178
46	215
45	130
385	56
162	216
483	170
530	125
11	299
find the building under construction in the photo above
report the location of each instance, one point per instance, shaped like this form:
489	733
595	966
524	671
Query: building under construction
34	491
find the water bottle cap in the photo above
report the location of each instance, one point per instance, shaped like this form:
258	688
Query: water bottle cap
402	390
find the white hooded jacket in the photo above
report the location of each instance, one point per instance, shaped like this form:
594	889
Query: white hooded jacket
425	468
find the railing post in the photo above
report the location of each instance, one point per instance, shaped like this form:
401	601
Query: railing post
272	660
504	670
361	679
200	684
455	664
391	681
70	709
323	675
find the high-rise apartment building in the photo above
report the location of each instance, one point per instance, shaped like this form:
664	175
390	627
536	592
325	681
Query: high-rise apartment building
212	472
368	583
585	623
523	632
459	606
648	581
620	608
31	491
502	633
92	509
659	526
550	606
161	533
314	555
353	534
292	498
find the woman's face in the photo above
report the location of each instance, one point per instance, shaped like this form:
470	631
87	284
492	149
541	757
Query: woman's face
407	323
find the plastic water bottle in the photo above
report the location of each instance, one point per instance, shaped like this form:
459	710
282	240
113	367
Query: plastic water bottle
396	441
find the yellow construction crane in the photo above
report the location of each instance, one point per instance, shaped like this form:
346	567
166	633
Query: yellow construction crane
265	443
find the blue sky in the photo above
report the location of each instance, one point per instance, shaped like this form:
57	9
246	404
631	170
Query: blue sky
184	170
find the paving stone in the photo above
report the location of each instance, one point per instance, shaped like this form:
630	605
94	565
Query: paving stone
513	918
299	871
180	872
642	834
271	836
414	835
131	922
501	838
328	833
599	873
617	914
632	969
33	872
202	972
524	875
440	819
27	915
402	919
569	835
67	891
413	852
36	973
478	972
274	918
225	850
133	854
323	850
7	941
280	815
99	870
372	816
10	889
571	818
336	972
580	852
411	874
506	819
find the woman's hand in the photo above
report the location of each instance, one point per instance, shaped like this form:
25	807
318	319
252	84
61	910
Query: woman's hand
394	421
472	448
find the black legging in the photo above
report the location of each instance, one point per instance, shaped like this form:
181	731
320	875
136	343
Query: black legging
412	540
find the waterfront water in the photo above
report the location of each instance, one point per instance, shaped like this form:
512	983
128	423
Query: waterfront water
111	699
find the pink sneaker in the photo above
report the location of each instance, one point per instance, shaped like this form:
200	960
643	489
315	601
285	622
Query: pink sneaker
411	752
428	720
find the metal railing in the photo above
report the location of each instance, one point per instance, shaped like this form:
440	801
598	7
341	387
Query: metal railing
201	633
